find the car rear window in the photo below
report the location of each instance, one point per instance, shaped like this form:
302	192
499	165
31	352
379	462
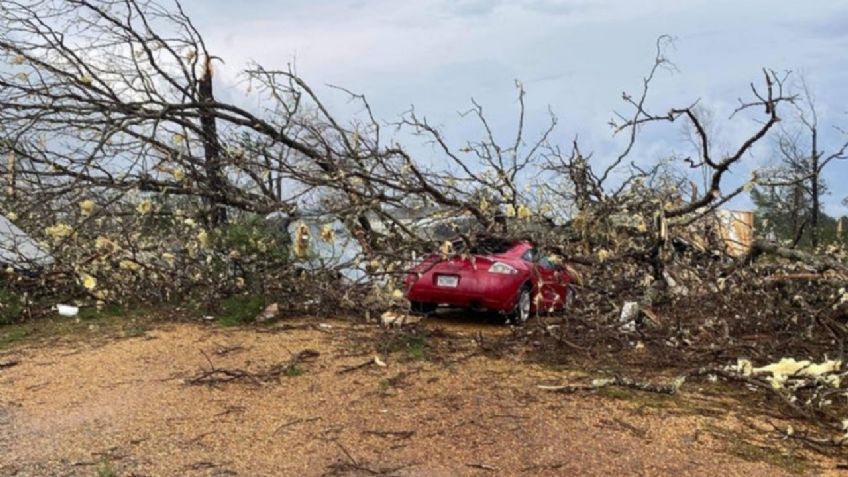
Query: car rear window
531	255
485	245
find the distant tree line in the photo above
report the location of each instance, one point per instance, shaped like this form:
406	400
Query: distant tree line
788	196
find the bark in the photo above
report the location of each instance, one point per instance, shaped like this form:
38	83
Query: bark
211	147
814	219
820	263
11	178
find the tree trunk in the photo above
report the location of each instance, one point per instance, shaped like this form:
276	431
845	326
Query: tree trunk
797	204
814	216
11	165
819	263
211	149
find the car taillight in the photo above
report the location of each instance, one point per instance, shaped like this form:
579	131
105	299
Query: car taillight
499	267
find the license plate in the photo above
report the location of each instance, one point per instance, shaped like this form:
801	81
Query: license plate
447	281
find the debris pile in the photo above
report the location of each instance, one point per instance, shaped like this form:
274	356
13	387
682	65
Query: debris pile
775	325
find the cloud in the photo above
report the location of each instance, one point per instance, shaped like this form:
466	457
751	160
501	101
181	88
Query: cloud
576	56
474	7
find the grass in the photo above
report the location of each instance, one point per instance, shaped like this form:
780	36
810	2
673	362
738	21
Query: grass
115	321
11	334
640	398
389	383
107	311
89	324
416	349
134	331
294	371
10	306
754	453
240	310
413	345
105	469
736	444
650	401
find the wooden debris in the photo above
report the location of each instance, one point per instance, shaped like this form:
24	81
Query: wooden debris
392	319
376	361
294	422
9	364
482	466
661	388
394	434
270	312
786	277
214	376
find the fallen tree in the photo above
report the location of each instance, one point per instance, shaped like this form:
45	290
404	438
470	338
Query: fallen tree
147	186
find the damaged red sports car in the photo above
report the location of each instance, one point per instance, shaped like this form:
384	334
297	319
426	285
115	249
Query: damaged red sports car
513	280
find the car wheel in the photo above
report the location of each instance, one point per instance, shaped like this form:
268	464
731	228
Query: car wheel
422	308
521	313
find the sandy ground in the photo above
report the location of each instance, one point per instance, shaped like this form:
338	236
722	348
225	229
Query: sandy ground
122	407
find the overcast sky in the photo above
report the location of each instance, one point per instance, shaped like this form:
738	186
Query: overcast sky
572	55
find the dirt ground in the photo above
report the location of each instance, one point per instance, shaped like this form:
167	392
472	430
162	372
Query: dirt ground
122	406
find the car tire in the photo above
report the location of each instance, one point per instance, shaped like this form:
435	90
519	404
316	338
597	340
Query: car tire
521	313
422	308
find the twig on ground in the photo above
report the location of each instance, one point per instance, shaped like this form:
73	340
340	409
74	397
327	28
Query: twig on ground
373	361
542	466
295	422
9	364
660	388
225	350
342	468
482	466
214	376
398	434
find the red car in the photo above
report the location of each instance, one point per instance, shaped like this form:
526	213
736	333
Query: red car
513	281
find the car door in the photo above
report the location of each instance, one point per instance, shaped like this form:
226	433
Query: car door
550	289
558	286
553	287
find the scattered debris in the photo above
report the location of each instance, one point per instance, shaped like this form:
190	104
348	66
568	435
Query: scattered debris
393	319
9	364
270	312
649	316
296	421
736	229
374	361
225	350
352	464
392	434
215	376
629	314
482	466
790	367
661	388
67	310
629	311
